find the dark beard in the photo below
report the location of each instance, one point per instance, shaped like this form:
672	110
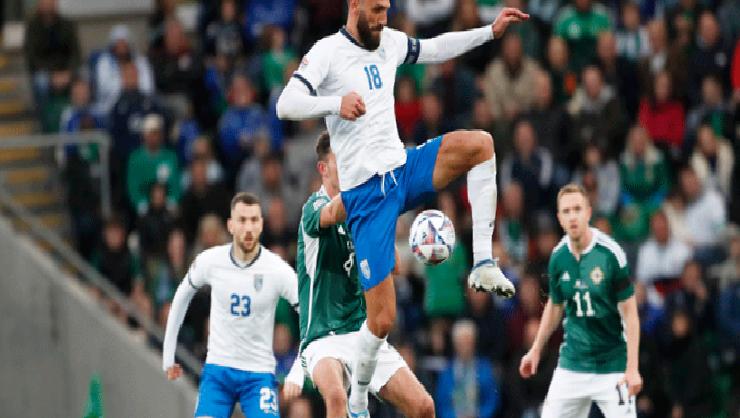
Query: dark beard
366	35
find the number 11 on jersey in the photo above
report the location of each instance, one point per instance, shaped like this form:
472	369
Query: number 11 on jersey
373	76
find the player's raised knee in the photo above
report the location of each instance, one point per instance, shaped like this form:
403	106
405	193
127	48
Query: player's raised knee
423	407
484	145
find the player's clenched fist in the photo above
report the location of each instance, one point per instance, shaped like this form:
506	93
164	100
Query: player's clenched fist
174	372
352	106
528	365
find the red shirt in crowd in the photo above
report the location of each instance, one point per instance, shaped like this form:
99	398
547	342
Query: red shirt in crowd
663	121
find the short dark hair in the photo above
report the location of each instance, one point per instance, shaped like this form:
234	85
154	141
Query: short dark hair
246	198
323	146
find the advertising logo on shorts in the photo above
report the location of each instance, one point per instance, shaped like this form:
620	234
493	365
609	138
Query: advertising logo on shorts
258	282
365	268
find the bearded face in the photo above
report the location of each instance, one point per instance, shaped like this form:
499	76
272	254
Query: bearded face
369	35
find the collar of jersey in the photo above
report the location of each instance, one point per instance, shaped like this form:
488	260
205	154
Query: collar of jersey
236	263
594	233
347	35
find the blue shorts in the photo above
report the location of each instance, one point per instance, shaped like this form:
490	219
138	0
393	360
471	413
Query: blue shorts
373	208
221	387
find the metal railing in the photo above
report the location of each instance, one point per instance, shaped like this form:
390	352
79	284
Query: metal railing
67	255
99	138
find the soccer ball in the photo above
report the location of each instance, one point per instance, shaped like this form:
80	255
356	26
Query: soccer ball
432	237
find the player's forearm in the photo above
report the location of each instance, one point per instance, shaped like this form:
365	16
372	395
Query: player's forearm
452	44
631	319
179	307
550	321
333	212
296	103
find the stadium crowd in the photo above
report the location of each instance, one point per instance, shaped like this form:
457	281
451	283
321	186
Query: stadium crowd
638	101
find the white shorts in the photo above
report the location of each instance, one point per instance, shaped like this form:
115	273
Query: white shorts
571	393
343	348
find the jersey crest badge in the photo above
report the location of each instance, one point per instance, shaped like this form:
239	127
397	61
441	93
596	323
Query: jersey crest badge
258	279
597	275
341	230
365	268
565	277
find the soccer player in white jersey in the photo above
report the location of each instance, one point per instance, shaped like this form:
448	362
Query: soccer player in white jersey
246	282
348	79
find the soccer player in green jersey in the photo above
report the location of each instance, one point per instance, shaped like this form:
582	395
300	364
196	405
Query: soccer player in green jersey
589	283
332	309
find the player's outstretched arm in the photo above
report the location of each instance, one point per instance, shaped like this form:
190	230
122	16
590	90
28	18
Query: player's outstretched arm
452	44
551	317
631	319
180	302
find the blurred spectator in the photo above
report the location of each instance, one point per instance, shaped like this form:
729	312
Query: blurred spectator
508	81
51	48
258	14
211	232
276	58
467	16
117	263
580	25
529	306
687	374
632	39
693	297
491	325
444	295
202	197
705	212
432	122
605	178
278	233
164	10
528	30
644	178
661	260
712	109
713	161
125	119
682	14
710	57
217	76
273	182
564	79
467	387
526	395
108	71
651	314
166	281
512	225
178	71
154	226
482	118
727	275
663	116
201	150
150	164
597	114
431	17
728	14
663	57
548	118
455	86
407	107
544	12
185	132
224	36
324	17
78	117
729	271
618	72
532	167
545	241
240	126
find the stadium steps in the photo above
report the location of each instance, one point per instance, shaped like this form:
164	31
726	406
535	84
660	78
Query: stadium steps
31	175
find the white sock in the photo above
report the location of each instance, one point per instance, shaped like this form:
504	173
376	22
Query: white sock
364	367
482	198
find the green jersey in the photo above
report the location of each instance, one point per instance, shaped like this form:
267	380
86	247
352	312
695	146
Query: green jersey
581	29
591	287
329	293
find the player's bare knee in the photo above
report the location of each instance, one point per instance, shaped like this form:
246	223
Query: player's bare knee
383	322
484	146
423	407
336	399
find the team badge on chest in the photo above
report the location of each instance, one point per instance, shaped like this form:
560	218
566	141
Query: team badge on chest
597	275
258	278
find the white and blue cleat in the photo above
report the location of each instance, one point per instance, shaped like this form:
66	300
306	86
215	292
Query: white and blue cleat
487	276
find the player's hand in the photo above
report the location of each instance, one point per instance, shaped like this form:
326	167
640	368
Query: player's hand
290	391
505	17
352	106
174	372
633	380
528	365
